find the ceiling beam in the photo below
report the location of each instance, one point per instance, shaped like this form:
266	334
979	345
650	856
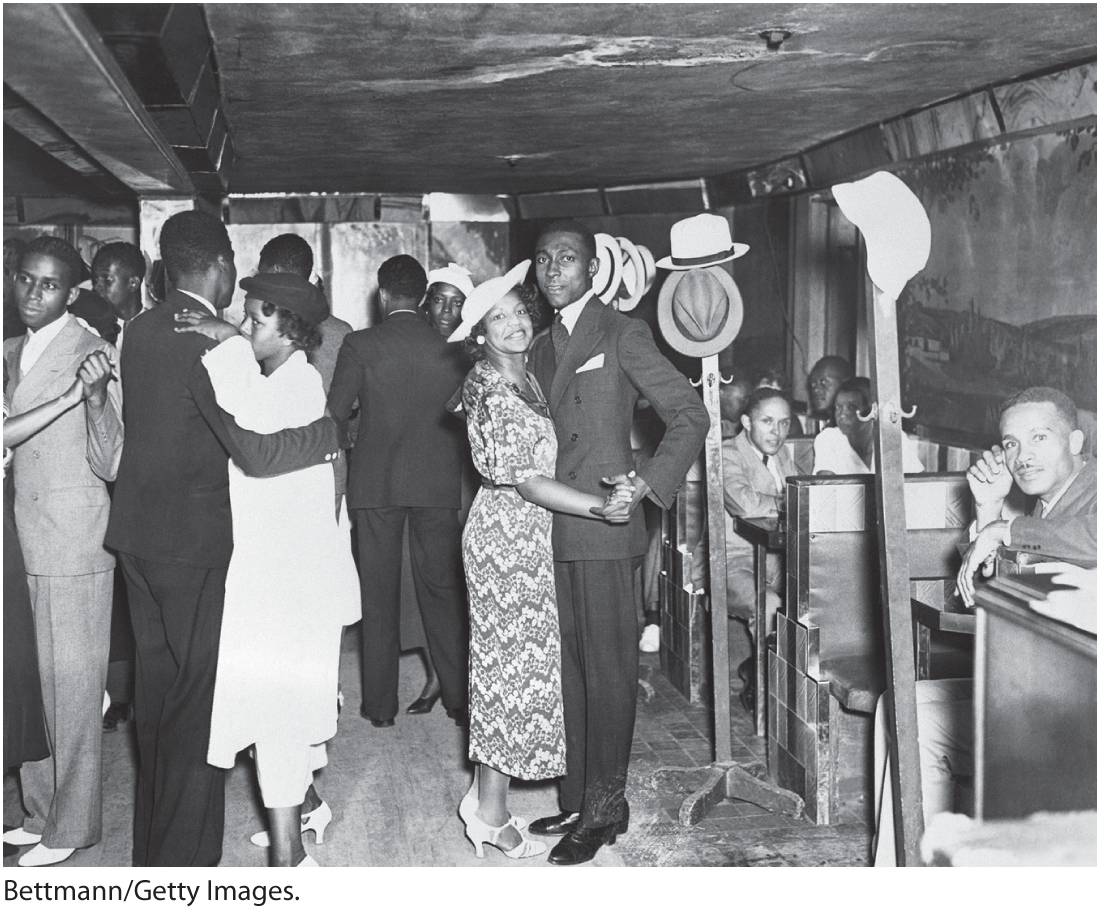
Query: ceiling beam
55	59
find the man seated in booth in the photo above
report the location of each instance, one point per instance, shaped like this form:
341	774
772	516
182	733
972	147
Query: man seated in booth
824	382
1041	453
755	468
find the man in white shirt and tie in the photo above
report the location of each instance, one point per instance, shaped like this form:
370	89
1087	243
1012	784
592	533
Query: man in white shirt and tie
755	467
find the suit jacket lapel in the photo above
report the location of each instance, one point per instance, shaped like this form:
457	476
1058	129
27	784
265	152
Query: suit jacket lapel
61	354
586	334
11	367
762	479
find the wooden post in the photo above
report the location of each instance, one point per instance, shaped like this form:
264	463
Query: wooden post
716	519
894	578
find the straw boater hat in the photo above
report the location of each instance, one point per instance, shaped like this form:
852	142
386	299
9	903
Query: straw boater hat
454	275
605	284
650	267
701	241
634	284
485	296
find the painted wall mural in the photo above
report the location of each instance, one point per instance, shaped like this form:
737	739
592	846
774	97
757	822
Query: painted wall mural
1008	298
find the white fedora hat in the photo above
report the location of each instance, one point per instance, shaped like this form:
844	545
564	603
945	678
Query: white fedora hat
701	241
485	296
605	284
634	284
650	267
700	311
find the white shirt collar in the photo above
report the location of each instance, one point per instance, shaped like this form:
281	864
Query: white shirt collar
571	312
39	339
206	303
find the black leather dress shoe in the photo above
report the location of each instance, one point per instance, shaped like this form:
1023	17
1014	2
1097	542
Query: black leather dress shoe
375	721
423	705
118	713
581	845
461	716
555	825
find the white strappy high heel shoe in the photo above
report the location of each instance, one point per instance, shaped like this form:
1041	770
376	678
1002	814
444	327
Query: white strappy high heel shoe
315	821
479	832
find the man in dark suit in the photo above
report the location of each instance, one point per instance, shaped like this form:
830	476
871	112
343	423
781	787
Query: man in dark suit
406	466
171	525
594	364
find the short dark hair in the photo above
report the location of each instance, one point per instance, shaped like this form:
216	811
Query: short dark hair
287	253
403	277
862	386
529	294
191	242
1045	395
61	250
574	228
125	255
759	396
838	364
294	328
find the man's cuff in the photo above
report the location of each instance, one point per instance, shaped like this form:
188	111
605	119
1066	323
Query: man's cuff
1008	531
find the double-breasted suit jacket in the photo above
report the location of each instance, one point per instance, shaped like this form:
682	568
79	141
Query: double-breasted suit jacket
61	512
609	362
61	501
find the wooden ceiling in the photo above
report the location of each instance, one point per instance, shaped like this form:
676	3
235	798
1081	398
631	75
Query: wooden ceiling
516	98
502	98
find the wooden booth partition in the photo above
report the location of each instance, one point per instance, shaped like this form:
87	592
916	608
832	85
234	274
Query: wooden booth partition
827	667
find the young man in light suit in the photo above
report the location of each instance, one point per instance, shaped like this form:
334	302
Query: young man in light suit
61	511
593	365
755	468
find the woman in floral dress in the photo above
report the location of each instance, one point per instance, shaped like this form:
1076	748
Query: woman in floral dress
516	725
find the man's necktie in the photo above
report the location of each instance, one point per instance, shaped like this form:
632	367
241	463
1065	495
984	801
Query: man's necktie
765	461
559	335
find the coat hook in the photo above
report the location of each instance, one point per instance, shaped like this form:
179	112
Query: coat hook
871	416
724	380
695	383
909	414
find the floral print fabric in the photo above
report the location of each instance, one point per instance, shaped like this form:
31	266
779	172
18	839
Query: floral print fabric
516	721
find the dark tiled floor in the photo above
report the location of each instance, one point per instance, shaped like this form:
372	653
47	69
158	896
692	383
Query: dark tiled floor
395	792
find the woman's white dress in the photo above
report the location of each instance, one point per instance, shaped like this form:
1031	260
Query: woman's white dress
833	452
292	584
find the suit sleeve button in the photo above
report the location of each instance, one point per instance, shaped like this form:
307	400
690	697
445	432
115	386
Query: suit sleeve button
34	496
574	437
572	476
577	399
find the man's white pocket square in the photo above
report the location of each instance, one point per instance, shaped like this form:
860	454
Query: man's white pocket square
594	364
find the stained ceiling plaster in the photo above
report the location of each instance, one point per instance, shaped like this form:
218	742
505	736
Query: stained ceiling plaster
436	97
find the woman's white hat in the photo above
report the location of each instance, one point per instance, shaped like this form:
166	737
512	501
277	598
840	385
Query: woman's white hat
454	275
485	296
701	241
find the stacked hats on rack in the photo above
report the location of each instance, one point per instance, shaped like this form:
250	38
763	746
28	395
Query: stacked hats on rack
626	272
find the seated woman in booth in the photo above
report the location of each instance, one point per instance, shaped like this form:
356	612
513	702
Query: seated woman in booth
849	447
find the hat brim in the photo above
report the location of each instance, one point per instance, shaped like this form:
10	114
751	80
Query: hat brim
485	296
650	268
676	339
609	276
735	252
630	300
